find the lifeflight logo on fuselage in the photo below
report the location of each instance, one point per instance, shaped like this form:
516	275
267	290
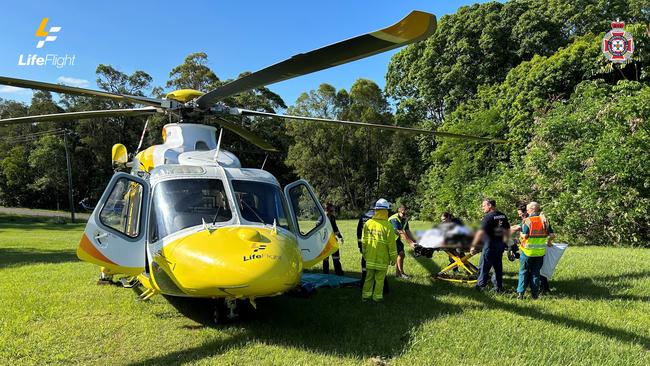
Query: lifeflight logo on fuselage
49	59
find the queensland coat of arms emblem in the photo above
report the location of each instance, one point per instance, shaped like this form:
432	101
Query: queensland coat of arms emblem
618	44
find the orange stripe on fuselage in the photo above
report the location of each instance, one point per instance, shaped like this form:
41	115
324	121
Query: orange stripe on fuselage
90	249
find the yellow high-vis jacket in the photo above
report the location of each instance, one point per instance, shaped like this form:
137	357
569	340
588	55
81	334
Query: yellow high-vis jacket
378	241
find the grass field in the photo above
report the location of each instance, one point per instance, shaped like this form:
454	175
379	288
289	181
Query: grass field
52	312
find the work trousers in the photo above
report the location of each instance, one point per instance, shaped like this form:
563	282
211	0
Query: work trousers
529	273
363	276
374	284
491	257
336	258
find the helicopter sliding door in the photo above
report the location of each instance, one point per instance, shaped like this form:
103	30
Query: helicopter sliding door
114	235
314	231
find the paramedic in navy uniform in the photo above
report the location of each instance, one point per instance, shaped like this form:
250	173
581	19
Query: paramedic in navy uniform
494	232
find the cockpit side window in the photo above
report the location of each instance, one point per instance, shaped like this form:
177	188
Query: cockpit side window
261	202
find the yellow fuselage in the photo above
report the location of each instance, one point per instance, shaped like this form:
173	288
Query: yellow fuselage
232	262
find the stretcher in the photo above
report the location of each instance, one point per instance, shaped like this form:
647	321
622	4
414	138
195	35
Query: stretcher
455	241
461	263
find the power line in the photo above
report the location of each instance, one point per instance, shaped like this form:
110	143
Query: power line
34	136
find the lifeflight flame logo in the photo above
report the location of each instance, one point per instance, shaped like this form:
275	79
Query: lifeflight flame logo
40	32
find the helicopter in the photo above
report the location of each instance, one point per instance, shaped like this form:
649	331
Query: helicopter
185	219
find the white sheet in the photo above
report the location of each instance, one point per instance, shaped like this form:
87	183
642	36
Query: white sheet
552	258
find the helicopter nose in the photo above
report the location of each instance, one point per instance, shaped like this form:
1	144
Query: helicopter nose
234	261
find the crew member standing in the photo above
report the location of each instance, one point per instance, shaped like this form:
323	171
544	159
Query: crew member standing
536	235
494	232
362	221
336	257
401	225
522	212
379	251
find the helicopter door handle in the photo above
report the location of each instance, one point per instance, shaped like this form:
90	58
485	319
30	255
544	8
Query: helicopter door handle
100	235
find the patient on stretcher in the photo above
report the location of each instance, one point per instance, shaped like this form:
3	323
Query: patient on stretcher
443	236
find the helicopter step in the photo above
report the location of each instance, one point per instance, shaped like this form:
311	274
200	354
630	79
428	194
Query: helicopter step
129	282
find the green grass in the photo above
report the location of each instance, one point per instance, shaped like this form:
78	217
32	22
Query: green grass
52	312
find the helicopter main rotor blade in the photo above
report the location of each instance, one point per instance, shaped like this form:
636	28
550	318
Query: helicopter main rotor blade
247	112
58	88
80	115
247	135
414	27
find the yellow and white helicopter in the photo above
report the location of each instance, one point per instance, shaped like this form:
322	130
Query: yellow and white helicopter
188	220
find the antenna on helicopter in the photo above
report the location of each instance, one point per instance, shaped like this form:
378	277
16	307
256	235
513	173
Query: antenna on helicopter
144	131
264	162
216	154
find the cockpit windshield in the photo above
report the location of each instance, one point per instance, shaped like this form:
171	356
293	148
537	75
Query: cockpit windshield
183	203
261	202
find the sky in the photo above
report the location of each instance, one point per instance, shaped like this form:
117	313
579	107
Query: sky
155	36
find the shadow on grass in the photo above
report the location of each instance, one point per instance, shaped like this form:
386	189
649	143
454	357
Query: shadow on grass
530	312
596	288
13	257
336	322
333	321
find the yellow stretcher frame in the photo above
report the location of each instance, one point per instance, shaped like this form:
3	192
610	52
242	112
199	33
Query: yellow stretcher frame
463	263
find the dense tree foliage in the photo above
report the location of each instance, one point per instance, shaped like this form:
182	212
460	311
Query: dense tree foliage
479	44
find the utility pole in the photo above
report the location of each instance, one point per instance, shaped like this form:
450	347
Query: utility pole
67	160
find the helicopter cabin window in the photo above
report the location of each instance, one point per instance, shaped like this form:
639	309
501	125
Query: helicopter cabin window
182	203
261	202
121	211
305	207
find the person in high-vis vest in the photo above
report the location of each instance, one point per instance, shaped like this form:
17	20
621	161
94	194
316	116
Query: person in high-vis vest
401	225
513	251
378	250
362	221
536	235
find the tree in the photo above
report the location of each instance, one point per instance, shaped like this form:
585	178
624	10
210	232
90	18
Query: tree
481	43
349	166
193	73
93	139
16	178
48	165
589	162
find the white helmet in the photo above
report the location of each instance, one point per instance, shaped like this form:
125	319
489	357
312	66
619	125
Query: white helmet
382	204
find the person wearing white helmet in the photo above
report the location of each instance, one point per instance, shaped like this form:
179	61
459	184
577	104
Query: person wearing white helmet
378	250
363	218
